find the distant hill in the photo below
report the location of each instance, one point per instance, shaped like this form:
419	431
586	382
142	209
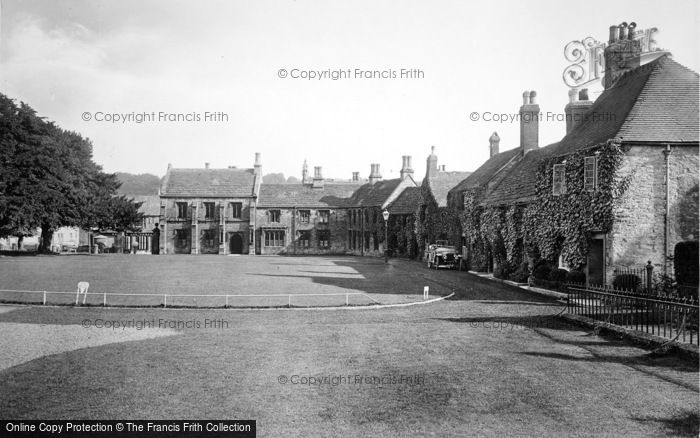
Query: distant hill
143	184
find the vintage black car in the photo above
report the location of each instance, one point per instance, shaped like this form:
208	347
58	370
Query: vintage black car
442	255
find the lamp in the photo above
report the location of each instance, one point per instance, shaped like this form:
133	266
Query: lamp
385	213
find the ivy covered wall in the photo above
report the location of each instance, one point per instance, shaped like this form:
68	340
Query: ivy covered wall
503	237
434	222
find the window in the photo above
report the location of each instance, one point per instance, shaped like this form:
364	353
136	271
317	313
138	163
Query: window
182	210
274	238
304	216
208	237
376	241
181	237
559	179
366	240
374	216
236	208
304	239
350	242
324	216
324	238
209	210
590	174
274	215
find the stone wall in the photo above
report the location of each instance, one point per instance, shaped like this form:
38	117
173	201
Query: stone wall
222	226
369	232
638	232
292	226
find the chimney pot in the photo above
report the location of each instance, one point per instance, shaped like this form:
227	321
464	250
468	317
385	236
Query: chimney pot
533	95
529	122
494	142
526	97
572	95
623	30
614	34
356	176
170	165
206	165
583	94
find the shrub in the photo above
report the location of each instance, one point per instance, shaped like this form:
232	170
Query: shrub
542	271
558	275
576	277
498	272
627	282
521	274
685	262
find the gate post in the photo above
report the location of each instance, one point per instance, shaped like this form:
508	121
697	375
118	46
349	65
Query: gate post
649	269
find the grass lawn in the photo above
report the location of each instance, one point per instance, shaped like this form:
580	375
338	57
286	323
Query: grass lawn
493	362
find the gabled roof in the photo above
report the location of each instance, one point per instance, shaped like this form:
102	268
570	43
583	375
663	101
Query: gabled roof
654	103
441	184
150	204
406	202
304	195
374	195
486	171
210	183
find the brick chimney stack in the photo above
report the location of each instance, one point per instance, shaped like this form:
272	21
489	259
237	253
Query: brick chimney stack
494	142
432	167
622	53
529	122
374	175
257	168
576	109
406	169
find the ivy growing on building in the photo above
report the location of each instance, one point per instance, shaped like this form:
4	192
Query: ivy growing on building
552	225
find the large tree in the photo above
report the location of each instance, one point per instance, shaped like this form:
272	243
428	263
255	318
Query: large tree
48	178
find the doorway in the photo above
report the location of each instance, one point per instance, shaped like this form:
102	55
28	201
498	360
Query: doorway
236	244
596	263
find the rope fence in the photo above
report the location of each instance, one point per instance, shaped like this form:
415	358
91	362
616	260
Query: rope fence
117	299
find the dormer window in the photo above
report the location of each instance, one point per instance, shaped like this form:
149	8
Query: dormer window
559	179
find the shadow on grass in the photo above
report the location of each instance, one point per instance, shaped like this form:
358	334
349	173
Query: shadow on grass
404	277
686	425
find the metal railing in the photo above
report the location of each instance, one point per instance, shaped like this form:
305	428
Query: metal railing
668	317
109	299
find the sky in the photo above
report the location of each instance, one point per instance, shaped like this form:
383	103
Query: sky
235	76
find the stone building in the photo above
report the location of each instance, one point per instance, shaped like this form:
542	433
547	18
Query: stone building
306	218
209	211
435	221
619	189
365	220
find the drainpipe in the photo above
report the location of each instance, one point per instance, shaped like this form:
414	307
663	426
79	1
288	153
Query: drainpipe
667	153
294	229
362	233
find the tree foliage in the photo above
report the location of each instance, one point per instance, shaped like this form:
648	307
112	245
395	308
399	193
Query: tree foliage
48	178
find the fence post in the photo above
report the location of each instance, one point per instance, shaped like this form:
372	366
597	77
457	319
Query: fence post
347	299
165	301
289	301
104	300
44	298
649	268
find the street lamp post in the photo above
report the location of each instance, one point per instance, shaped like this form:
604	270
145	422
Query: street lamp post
386	236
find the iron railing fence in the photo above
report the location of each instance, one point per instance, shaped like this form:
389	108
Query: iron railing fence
665	316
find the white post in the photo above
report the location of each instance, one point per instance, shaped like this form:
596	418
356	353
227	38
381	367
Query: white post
44	298
104	300
347	299
165	301
289	303
426	292
226	301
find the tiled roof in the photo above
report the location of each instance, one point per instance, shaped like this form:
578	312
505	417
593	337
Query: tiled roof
483	174
374	195
667	107
656	102
150	204
442	183
301	195
213	183
407	201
